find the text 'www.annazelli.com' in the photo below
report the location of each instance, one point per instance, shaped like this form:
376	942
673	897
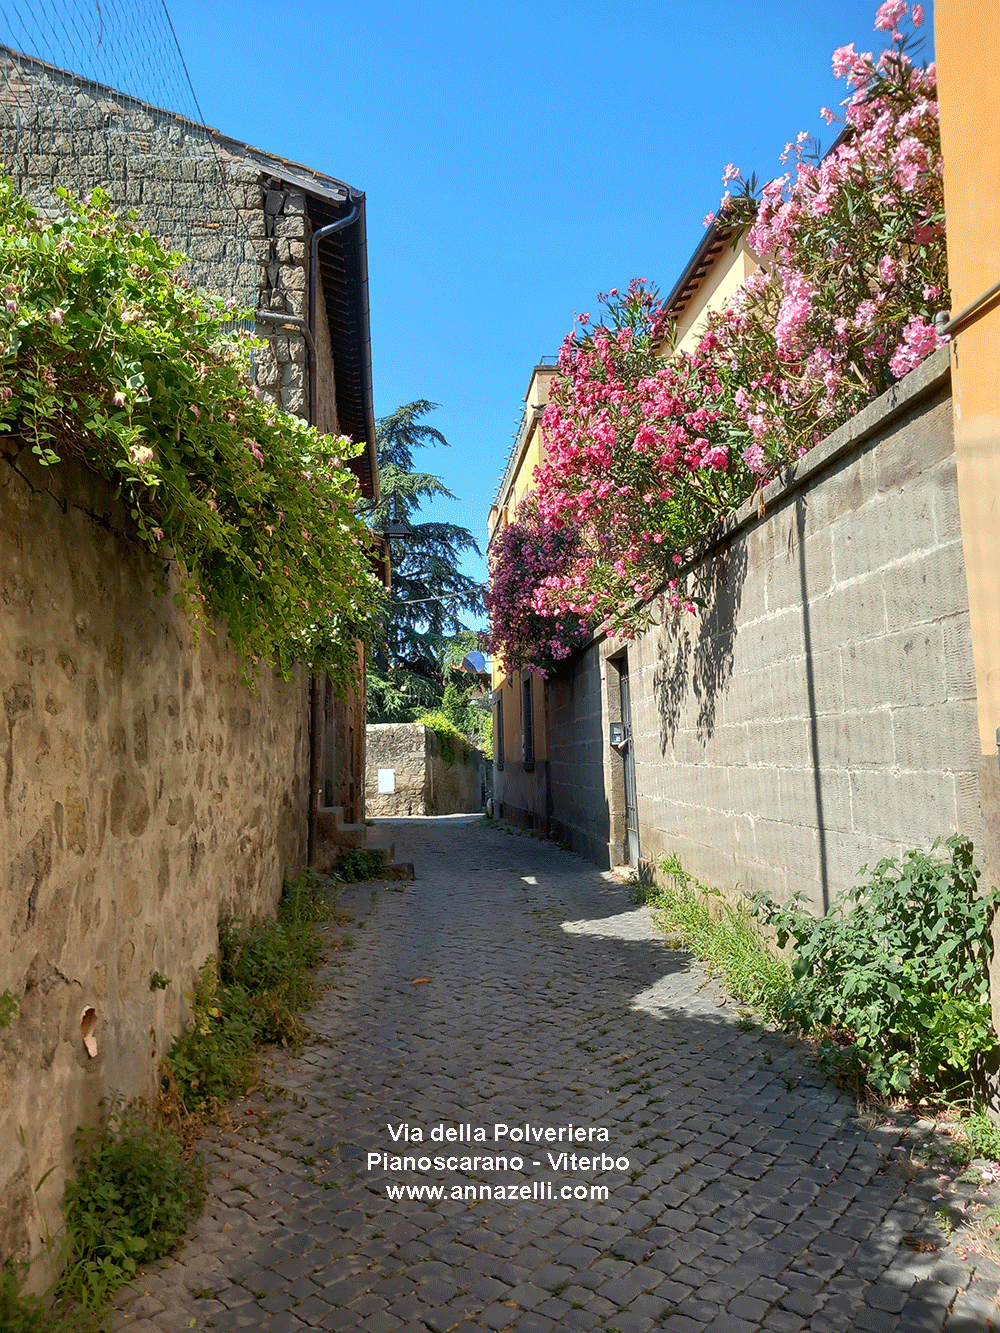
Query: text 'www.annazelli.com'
539	1191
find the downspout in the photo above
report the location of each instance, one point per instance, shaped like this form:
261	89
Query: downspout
357	214
317	684
316	721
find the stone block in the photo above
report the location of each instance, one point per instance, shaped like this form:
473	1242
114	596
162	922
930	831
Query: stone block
942	738
847	614
914	444
856	740
813	795
959	664
290	227
910	808
907	667
889	528
291	277
929	587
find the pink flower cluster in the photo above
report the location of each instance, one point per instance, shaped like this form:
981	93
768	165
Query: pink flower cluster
645	454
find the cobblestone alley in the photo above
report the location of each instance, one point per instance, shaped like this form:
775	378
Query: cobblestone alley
512	984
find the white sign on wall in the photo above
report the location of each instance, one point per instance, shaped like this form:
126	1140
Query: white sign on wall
386	781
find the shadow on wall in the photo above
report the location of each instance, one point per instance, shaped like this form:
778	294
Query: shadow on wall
698	655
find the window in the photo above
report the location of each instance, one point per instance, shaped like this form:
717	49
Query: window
498	730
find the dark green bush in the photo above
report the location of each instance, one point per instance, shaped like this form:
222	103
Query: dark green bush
131	1201
894	978
250	996
359	863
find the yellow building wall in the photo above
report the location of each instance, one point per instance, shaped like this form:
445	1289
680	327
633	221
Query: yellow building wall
717	288
966	37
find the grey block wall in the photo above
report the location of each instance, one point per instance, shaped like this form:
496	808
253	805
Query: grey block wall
820	713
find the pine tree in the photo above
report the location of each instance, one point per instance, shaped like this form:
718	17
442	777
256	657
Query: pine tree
429	592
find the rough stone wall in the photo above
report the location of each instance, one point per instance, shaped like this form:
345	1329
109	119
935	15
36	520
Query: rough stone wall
245	231
146	791
283	255
58	130
425	783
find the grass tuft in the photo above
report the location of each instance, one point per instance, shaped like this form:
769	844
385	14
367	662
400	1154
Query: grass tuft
720	934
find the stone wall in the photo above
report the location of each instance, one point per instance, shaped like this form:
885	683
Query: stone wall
146	791
424	782
820	714
245	229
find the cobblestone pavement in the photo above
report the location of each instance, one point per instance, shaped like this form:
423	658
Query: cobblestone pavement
512	983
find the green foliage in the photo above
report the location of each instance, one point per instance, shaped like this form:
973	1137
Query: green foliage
399	695
429	592
978	1134
894	978
406	696
23	1313
8	1008
358	864
105	354
131	1201
158	981
721	934
249	996
453	744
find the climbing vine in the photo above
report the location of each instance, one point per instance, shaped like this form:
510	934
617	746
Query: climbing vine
108	355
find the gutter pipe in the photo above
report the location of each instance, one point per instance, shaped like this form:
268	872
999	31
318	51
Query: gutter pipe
947	326
357	214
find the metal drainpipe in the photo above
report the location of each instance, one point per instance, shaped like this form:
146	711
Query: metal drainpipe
318	709
320	234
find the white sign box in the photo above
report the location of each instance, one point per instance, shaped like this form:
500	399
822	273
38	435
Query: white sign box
386	781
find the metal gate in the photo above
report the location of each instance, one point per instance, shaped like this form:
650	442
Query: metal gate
628	756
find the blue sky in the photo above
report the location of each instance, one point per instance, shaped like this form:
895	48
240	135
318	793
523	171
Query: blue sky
517	159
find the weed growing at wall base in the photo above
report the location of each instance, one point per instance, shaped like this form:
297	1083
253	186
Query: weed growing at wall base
133	1197
722	935
894	979
23	1313
250	995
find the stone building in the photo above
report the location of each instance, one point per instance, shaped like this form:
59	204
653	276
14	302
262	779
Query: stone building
147	791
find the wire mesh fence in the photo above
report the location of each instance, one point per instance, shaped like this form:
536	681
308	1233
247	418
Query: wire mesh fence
95	93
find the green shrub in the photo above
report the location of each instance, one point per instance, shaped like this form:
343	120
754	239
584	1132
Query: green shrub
22	1313
250	996
358	864
722	935
453	743
894	978
131	1201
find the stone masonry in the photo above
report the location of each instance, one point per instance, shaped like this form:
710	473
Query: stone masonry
424	781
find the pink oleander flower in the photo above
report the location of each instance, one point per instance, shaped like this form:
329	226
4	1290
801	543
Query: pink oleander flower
889	14
140	454
755	458
119	399
919	339
57	316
